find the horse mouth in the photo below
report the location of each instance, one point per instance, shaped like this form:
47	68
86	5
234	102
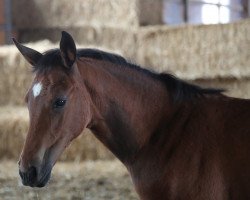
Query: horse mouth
39	174
43	180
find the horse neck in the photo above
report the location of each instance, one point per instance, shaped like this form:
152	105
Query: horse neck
127	106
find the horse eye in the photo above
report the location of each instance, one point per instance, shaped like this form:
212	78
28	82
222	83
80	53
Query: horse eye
59	103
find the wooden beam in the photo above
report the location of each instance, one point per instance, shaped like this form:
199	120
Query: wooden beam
185	10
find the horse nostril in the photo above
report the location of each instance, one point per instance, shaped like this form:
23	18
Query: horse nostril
32	173
29	177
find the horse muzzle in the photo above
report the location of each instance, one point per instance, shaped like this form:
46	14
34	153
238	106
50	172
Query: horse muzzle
34	177
35	170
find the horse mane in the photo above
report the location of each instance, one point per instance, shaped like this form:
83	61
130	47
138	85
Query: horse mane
49	60
180	89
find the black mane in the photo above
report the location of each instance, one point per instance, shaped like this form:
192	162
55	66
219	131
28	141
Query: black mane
49	60
180	89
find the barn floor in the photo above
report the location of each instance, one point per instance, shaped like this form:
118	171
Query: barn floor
90	180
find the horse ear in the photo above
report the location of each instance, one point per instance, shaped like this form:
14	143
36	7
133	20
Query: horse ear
68	49
31	55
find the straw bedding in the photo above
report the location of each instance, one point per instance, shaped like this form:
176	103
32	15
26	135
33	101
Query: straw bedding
89	180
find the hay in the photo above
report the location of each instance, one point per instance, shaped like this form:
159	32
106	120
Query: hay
13	129
119	13
13	76
234	87
86	147
120	40
191	52
15	73
105	180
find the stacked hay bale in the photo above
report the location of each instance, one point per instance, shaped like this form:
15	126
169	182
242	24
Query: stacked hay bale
215	55
211	55
101	23
204	51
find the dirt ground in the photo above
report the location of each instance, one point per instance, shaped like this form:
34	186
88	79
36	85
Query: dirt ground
90	180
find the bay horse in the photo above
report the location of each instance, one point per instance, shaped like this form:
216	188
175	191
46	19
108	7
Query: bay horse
177	140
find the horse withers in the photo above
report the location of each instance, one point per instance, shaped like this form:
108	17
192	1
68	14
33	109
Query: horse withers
177	140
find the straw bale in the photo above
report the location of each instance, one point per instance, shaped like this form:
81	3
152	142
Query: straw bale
234	87
13	130
15	74
14	79
13	126
86	147
204	51
61	13
120	40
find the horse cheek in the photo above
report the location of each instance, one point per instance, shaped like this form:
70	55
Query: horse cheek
80	118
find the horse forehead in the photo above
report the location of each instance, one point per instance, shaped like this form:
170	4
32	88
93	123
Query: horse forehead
37	88
42	83
39	84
